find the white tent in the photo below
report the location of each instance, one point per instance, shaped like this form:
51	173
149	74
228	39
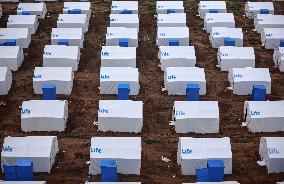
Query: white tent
13	1
111	183
162	7
235	57
22	182
62	77
11	57
124	20
110	77
264	116
193	153
44	115
221	182
73	21
177	56
38	9
278	58
0	9
120	116
40	149
23	21
61	56
118	7
84	7
114	34
75	36
242	79
115	56
270	37
172	20
5	80
167	34
218	20
196	116
268	21
177	78
125	150
253	8
218	35
207	6
20	35
271	151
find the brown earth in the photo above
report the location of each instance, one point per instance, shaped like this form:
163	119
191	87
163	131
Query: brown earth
158	137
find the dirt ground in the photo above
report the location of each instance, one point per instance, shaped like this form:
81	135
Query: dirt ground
158	137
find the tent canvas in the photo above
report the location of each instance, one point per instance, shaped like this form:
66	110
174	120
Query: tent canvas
271	151
235	57
21	35
23	21
73	21
218	20
120	6
166	34
22	182
44	115
264	116
13	1
120	116
40	149
253	8
11	57
193	153
221	182
172	20
205	6
126	150
124	20
115	56
38	9
61	56
270	37
163	6
268	21
5	80
62	77
114	34
278	58
196	116
0	9
218	35
85	7
242	79
177	56
177	78
110	77
75	36
113	183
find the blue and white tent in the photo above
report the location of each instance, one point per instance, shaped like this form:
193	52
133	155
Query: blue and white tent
124	7
211	7
254	8
23	21
166	7
11	57
5	80
38	9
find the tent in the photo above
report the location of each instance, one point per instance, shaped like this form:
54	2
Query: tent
115	34
264	116
167	34
84	7
177	78
278	58
73	21
115	56
172	20
23	21
193	153
61	56
221	182
0	9
11	57
40	149
38	9
177	56
62	77
196	116
124	20
268	21
110	77
126	150
120	116
165	7
218	35
242	79
235	57
20	35
111	183
218	20
22	182
211	6
253	8
120	7
74	36
44	115
5	80
271	151
271	37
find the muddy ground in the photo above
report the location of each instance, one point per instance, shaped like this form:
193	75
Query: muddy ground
158	137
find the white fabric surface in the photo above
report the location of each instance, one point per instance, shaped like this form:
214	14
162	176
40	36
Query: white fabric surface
22	182
218	34
11	57
21	35
115	33
73	21
23	21
75	36
171	20
38	9
268	21
253	8
163	6
205	6
278	58
5	80
221	182
124	20
218	20
119	6
270	37
85	7
115	56
165	34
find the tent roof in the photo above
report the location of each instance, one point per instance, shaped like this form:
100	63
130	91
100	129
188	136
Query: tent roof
22	19
14	33
178	52
22	182
277	143
251	74
119	32
72	18
59	51
53	73
219	17
9	51
267	109
221	182
124	18
212	4
172	18
120	73
273	32
77	5
260	5
186	73
269	19
121	5
169	4
67	33
30	7
173	32
227	32
116	52
231	52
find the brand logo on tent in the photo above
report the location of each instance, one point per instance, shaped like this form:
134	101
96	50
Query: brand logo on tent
25	111
222	54
273	151
60	20
268	34
186	151
109	34
112	20
238	76
2	34
105	53
254	113
55	35
160	6
164	53
96	150
113	6
180	113
47	53
203	6
103	111
7	149
216	33
172	77
37	76
209	19
160	20
162	34
260	20
104	76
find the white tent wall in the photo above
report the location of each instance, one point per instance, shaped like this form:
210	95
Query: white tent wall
61	56
221	182
11	57
270	37
120	116
115	33
165	34
171	20
22	182
5	80
118	7
235	57
125	150
124	20
75	36
278	58
23	21
163	6
268	21
85	7
218	34
264	116
21	35
218	20
12	1
253	8
0	10
113	183
44	115
38	9
205	6
40	149
62	77
196	116
73	21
